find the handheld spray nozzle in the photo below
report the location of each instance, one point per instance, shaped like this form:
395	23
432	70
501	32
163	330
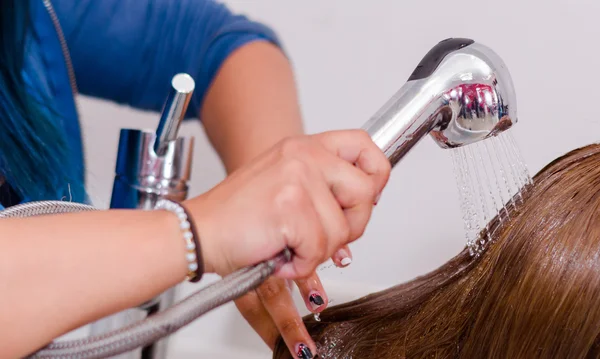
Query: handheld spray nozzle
461	92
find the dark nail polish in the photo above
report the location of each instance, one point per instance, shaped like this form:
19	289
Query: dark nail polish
303	352
316	299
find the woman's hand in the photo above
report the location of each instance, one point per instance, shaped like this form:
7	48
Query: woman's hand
312	194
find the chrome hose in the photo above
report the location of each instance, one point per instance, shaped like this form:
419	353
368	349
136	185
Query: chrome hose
155	326
33	209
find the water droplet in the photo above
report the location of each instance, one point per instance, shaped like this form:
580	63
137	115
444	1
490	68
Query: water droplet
317	317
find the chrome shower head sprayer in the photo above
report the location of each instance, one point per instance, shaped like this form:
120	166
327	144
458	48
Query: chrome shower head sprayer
461	92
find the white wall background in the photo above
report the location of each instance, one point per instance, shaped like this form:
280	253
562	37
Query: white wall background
349	58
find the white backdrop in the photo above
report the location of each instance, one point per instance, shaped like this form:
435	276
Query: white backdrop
349	58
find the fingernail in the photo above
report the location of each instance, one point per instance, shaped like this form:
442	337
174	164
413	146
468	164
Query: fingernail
346	261
377	199
315	299
303	352
343	257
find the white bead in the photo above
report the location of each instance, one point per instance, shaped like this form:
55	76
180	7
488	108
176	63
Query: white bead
191	257
185	226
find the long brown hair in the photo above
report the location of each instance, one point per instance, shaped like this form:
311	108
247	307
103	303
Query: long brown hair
534	292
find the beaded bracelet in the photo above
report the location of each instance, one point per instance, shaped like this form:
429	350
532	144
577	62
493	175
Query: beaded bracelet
192	244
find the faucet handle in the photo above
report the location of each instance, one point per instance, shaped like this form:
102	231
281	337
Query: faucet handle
174	110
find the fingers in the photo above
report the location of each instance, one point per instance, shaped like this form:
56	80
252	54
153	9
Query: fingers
277	293
343	173
356	146
335	223
258	317
277	300
343	257
303	232
313	293
354	190
356	182
331	227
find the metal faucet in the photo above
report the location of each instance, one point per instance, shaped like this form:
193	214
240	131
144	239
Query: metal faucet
152	165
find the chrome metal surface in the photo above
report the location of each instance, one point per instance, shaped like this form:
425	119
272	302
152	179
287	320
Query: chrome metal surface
182	87
142	176
469	97
42	208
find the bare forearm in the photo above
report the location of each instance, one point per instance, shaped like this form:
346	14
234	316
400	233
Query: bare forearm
252	104
60	272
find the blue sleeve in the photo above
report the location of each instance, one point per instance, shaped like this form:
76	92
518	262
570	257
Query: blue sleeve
127	51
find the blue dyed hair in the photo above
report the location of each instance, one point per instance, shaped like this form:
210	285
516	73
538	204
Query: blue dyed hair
33	148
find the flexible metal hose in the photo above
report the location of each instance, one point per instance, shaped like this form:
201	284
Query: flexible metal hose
32	209
155	326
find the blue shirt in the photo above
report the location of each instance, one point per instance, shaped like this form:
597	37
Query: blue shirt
127	51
